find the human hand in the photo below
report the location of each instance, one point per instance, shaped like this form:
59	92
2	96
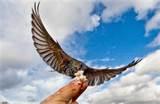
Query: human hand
67	94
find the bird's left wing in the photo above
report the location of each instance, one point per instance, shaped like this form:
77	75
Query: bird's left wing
48	48
97	76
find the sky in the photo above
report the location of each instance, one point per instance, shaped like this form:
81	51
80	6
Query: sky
101	33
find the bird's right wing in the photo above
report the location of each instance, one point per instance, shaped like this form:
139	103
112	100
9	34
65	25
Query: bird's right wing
97	76
49	49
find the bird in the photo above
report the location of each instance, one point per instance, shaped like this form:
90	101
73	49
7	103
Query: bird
53	54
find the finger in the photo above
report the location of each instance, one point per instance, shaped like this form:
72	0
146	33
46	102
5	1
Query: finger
65	94
69	91
74	102
81	90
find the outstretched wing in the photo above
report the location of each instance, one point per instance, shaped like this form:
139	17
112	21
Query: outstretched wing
48	48
52	53
96	77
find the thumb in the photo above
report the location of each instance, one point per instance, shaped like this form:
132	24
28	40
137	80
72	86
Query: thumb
73	90
84	86
68	93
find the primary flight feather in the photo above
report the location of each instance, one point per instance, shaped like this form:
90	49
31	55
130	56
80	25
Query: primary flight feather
52	53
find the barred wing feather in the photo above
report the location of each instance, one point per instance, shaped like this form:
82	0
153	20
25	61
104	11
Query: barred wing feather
52	53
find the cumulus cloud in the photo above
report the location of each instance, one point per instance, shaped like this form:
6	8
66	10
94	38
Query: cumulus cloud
15	42
17	52
115	9
63	19
155	42
10	79
20	69
2	98
143	7
36	85
153	23
133	88
150	64
16	49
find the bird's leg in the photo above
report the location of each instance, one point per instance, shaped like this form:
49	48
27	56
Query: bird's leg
79	76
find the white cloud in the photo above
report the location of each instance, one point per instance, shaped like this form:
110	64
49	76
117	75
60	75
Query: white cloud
155	42
153	23
134	79
21	70
115	8
15	42
143	7
34	82
133	88
11	78
2	98
150	64
60	17
36	85
61	21
68	16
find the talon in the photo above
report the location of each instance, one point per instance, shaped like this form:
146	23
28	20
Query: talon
79	75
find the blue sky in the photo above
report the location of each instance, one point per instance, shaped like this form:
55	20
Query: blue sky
121	40
99	32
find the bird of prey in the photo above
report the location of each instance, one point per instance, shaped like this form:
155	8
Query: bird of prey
52	53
